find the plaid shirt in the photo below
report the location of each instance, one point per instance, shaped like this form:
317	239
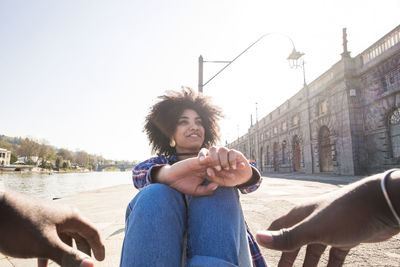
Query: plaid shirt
141	177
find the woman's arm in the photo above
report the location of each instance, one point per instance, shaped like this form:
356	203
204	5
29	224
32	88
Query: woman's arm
145	173
186	176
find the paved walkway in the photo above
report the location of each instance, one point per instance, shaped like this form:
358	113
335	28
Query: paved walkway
277	194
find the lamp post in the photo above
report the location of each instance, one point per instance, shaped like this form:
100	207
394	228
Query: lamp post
293	62
293	59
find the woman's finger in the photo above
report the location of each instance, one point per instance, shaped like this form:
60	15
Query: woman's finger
203	155
214	178
223	158
213	153
232	159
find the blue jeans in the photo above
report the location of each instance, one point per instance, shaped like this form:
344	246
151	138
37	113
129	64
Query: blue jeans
157	219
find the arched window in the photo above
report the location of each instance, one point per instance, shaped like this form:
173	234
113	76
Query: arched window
284	152
296	153
325	150
275	156
394	131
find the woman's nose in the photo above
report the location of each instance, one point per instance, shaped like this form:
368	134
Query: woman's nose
194	126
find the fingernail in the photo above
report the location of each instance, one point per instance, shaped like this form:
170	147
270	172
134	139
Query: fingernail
234	167
88	262
226	168
264	236
214	187
208	172
202	158
218	168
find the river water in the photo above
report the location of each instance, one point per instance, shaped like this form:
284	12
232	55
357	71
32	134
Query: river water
58	185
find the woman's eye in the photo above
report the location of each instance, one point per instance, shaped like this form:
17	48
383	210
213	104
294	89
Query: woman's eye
182	122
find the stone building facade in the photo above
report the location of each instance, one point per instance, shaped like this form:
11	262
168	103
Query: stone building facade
5	156
347	121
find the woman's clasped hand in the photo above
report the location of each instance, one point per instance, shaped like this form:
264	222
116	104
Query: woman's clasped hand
225	167
218	165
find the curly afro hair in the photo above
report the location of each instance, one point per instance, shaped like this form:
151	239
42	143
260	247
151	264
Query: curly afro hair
162	120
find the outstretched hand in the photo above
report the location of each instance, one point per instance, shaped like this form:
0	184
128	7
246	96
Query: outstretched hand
38	228
226	167
342	219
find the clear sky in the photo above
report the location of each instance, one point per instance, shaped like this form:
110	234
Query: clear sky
83	74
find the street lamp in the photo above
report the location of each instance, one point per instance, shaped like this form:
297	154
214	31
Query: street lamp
293	60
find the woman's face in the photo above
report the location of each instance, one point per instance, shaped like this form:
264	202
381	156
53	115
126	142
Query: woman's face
189	132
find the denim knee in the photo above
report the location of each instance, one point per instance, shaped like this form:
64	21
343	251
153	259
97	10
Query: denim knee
155	226
216	227
157	201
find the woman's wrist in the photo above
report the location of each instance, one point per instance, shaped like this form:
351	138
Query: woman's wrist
158	174
255	176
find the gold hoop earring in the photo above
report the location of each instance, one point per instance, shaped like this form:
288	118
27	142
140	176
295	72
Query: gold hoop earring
172	143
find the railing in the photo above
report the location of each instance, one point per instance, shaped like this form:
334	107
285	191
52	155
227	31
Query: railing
386	42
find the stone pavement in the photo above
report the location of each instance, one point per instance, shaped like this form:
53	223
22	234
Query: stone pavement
277	194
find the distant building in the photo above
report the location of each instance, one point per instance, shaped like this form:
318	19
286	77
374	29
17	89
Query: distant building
34	159
347	121
5	156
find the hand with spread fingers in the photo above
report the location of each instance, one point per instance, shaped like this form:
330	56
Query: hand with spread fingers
38	228
357	213
226	167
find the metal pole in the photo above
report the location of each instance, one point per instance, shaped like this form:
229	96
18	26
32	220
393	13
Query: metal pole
200	74
304	75
258	162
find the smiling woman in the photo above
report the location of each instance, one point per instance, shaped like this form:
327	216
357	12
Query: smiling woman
191	188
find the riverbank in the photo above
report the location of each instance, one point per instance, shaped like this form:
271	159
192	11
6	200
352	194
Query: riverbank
44	171
60	185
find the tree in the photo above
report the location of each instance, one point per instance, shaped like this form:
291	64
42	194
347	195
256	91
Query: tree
65	154
13	158
6	145
65	165
46	152
82	158
58	162
28	148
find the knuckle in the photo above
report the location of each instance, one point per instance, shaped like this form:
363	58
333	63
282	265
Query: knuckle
223	149
287	241
232	154
75	213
